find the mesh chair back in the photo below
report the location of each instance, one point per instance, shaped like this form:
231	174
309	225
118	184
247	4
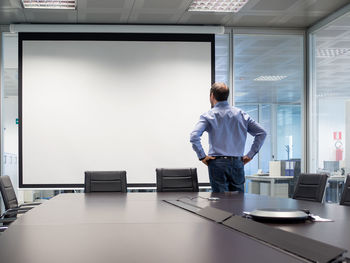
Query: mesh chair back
8	192
177	180
345	196
108	181
310	187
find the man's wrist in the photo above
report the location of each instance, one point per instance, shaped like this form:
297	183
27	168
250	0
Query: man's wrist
201	159
251	154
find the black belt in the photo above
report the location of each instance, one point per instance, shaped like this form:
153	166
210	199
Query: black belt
228	157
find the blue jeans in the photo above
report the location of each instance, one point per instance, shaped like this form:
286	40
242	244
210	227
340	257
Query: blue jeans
226	175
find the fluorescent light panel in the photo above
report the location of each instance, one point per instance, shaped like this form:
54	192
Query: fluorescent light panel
49	4
217	5
270	78
331	52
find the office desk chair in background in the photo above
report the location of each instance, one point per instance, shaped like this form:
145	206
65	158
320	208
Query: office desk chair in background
310	187
105	181
5	222
12	208
345	196
177	180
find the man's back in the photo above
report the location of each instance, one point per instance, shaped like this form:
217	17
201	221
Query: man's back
227	128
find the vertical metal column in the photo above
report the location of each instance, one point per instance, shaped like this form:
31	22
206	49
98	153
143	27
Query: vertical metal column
1	103
231	68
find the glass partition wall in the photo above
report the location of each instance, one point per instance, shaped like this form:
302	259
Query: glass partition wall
267	73
269	84
329	100
9	107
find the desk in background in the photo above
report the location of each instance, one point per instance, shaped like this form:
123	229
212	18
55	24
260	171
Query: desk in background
275	186
334	188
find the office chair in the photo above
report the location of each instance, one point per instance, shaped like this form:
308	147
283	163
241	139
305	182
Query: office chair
12	207
109	181
345	196
292	183
5	222
177	180
310	187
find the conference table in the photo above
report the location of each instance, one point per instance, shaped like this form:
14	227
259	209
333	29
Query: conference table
147	227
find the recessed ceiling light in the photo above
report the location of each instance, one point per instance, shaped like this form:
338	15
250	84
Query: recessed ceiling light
331	52
49	4
217	5
240	94
270	78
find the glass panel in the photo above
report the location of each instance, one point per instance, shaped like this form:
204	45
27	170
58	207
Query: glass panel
222	58
10	108
265	154
269	73
288	132
330	118
252	166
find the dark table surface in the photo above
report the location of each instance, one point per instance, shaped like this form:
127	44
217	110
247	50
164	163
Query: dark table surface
140	227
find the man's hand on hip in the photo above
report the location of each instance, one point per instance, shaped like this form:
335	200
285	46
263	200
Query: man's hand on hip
207	159
246	159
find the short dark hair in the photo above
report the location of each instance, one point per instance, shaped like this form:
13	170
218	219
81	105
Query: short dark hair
220	91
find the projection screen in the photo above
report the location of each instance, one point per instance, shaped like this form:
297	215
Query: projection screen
105	102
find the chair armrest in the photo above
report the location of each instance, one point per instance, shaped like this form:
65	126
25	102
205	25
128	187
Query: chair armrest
14	211
29	204
7	220
20	208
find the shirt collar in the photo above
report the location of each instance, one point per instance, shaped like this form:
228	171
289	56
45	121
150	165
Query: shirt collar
221	104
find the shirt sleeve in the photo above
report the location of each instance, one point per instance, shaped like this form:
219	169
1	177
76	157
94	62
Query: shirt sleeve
259	134
195	137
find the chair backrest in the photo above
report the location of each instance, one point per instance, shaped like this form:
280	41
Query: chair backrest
8	192
108	181
310	187
177	180
345	196
292	183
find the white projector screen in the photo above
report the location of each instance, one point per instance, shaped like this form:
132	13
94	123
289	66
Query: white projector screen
104	105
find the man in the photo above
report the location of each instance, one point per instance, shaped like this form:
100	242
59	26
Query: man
227	128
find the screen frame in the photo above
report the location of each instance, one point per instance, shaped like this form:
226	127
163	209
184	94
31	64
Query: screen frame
27	36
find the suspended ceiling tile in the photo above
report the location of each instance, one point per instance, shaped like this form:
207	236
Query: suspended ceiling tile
204	18
328	6
251	20
162	4
15	15
106	18
110	4
174	9
10	4
298	21
156	18
274	5
104	11
50	16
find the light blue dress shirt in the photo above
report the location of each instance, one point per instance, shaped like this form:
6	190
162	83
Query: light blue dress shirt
227	128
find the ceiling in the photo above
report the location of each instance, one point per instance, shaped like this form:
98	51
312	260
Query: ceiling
257	13
332	75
